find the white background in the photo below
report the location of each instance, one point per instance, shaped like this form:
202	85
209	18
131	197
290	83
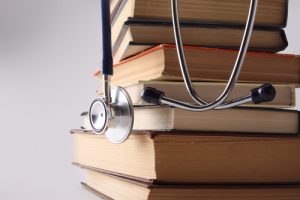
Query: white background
48	52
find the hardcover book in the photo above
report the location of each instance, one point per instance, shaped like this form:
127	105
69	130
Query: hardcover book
193	157
110	187
206	64
137	34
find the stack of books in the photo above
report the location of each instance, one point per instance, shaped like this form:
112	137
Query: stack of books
249	152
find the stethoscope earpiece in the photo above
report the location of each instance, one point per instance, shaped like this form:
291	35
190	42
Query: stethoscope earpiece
113	114
264	93
152	95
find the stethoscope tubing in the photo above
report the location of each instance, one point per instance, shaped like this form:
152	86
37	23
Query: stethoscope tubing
219	102
107	60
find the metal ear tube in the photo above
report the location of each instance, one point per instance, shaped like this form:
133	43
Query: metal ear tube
264	93
112	114
219	103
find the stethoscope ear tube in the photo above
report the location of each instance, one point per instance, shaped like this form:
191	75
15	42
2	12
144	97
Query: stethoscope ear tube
264	93
218	103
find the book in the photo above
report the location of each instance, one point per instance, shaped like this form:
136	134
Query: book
271	13
115	7
117	20
187	157
144	32
206	64
239	120
108	186
285	94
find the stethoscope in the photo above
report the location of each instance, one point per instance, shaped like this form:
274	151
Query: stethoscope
113	113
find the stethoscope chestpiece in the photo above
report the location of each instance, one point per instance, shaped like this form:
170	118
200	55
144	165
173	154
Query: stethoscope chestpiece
114	119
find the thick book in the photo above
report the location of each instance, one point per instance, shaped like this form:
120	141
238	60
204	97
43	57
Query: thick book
161	63
285	94
239	120
272	13
187	157
110	187
150	33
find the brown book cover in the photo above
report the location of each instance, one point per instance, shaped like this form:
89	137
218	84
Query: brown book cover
258	41
206	64
110	186
271	13
136	35
189	157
